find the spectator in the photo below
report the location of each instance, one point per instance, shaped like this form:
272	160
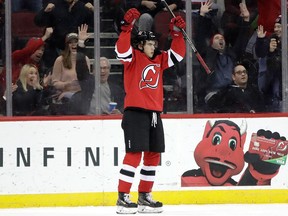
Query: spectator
64	16
27	94
80	101
31	5
109	92
71	76
219	57
64	76
269	51
212	14
231	18
240	97
31	54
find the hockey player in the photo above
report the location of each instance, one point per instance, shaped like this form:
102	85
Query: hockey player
142	124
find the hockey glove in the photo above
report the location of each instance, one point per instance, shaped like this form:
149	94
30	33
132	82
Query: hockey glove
129	17
177	23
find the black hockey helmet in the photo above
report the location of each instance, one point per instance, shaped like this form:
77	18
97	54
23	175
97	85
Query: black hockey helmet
145	35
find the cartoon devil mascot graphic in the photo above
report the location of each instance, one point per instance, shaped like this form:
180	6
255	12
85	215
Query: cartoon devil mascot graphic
220	156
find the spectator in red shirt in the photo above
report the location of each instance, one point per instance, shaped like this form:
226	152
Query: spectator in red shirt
30	54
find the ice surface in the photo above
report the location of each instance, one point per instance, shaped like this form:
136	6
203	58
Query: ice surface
171	210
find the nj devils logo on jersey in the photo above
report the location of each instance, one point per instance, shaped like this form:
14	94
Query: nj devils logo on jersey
150	77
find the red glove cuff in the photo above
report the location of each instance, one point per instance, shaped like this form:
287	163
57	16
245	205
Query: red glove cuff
127	27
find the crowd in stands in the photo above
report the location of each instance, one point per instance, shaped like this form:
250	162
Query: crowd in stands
240	38
240	41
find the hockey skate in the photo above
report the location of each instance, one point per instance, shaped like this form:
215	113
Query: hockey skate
125	205
147	205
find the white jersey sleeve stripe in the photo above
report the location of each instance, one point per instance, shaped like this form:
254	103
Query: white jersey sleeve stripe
177	56
125	60
170	62
124	55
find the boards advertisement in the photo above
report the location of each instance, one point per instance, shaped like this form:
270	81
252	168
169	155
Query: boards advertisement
85	156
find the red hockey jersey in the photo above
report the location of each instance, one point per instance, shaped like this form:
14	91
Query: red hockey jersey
143	76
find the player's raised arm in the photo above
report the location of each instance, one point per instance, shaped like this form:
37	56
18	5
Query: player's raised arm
123	46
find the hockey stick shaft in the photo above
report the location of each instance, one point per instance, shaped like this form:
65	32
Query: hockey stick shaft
199	57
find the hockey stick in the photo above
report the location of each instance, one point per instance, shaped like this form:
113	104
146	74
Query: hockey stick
199	57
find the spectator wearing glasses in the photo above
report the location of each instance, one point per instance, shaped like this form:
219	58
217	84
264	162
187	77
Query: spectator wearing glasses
219	56
109	92
240	97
